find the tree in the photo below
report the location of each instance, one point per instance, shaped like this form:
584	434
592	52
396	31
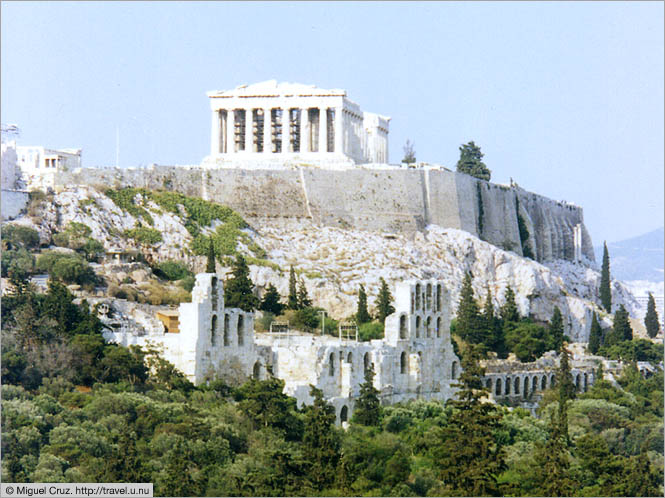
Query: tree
468	457
493	326
383	302
239	289
470	325
368	407
595	335
271	301
409	153
556	329
303	299
621	329
321	441
210	265
605	291
470	162
651	318
293	291
509	311
566	391
362	315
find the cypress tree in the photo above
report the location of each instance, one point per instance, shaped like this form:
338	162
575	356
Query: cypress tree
470	162
271	301
622	331
566	391
556	329
651	318
595	335
509	311
293	290
469	459
368	408
362	315
303	299
494	337
605	292
239	289
470	325
383	302
321	441
210	265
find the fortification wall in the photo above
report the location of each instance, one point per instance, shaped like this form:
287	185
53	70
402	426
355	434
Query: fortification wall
390	199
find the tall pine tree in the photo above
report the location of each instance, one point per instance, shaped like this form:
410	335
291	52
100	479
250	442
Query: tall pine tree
210	264
509	311
605	291
471	162
321	441
292	303
271	301
621	329
595	335
651	318
239	289
362	315
470	325
384	302
368	407
303	298
556	329
495	335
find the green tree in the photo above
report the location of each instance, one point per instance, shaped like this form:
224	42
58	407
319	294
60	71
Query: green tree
651	318
303	298
321	441
362	315
271	301
59	306
509	311
293	291
595	335
556	329
368	407
470	325
621	329
384	302
470	162
639	478
492	324
566	391
239	289
605	291
466	453
210	264
409	153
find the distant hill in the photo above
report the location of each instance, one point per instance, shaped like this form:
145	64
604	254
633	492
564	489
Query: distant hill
639	258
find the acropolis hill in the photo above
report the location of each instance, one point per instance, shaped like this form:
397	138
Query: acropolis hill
319	157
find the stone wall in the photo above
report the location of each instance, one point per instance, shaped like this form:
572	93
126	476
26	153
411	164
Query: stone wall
13	202
389	199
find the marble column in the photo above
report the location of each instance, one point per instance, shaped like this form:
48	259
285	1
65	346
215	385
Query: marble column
230	132
339	130
286	130
249	131
267	131
323	130
304	129
215	133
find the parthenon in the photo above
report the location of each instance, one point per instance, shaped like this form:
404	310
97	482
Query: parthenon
293	121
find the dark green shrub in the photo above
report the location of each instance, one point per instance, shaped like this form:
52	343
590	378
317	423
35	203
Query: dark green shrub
172	270
69	268
144	235
370	330
17	236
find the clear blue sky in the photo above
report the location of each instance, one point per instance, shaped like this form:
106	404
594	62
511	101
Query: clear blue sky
565	98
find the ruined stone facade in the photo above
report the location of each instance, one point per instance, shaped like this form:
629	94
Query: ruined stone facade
289	121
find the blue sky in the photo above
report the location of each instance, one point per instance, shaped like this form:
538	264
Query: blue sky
565	98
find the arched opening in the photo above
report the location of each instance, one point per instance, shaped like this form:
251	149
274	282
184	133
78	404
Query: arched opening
553	380
438	298
488	384
213	290
516	385
418	326
497	389
586	382
438	326
413	305
507	385
213	330
534	384
331	364
226	329
543	383
349	360
402	363
526	386
241	330
344	414
453	371
366	362
428	326
402	326
428	298
257	370
577	382
418	296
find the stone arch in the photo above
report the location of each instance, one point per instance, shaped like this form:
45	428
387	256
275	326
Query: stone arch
331	364
366	361
402	326
438	297
344	414
507	391
453	370
213	330
428	297
241	330
497	388
438	326
525	384
428	326
534	384
349	360
577	382
256	371
543	382
488	384
418	291
403	363
214	292
552	380
418	323
516	386
226	329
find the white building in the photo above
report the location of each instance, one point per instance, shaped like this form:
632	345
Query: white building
41	160
288	121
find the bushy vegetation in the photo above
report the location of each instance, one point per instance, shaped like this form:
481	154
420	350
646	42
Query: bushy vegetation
77	236
68	268
172	270
144	235
19	237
